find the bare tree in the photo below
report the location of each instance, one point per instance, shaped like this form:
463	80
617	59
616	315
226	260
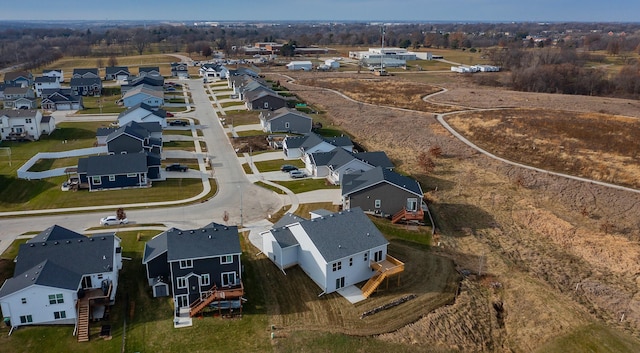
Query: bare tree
140	40
426	163
120	214
99	63
113	61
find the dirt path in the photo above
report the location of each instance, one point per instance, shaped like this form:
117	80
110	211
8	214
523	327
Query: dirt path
541	237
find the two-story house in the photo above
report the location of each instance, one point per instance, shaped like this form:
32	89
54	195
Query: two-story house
24	124
46	82
198	267
62	278
19	98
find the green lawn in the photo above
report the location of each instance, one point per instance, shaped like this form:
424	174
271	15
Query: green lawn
92	105
179	145
304	185
239	105
270	187
179	132
273	165
242	118
46	164
247	168
251	133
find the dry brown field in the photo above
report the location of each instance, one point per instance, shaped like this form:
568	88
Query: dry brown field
559	258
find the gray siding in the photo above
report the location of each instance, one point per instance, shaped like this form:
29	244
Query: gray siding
125	143
159	267
272	103
392	198
297	124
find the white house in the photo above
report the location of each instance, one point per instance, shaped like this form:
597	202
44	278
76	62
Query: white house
44	82
143	113
338	162
57	73
24	124
62	278
335	250
300	65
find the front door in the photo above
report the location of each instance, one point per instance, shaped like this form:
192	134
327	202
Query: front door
86	282
412	204
182	301
377	256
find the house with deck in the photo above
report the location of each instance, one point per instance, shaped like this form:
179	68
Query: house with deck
24	124
385	193
86	86
150	82
197	267
264	99
93	72
334	164
114	171
62	278
335	250
297	146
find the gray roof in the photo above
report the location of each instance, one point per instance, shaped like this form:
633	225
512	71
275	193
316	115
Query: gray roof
82	82
287	219
376	159
46	119
12	76
60	95
283	112
16	90
113	164
210	241
284	237
312	139
45	79
352	183
151	80
158	112
149	69
145	89
132	129
113	70
320	212
343	234
82	71
105	131
18	113
58	260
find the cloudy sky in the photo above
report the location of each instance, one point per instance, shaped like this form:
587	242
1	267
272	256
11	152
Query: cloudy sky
337	10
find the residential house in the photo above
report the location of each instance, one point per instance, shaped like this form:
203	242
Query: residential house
19	98
102	133
300	65
197	267
298	146
62	278
57	73
61	99
143	113
383	192
46	82
214	70
264	99
4	86
336	163
143	94
117	73
24	124
335	250
113	171
136	137
285	120
180	70
241	83
86	73
149	71
19	78
86	86
151	82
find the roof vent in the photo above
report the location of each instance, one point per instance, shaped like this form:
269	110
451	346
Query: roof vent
32	245
79	240
204	230
191	231
226	228
103	238
331	215
68	241
340	212
91	239
104	257
368	234
215	229
55	243
179	233
339	246
44	244
209	236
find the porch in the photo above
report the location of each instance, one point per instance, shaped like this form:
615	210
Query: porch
405	215
384	269
92	304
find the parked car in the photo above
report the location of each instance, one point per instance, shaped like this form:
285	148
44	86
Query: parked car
288	167
110	220
170	115
296	174
176	168
178	123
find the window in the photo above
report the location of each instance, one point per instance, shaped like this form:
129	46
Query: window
226	259
132	175
112	178
351	261
56	299
24	300
96	180
186	264
337	266
286	125
228	278
266	104
59	315
28	121
339	282
26	319
205	280
182	282
377	256
182	300
377	203
100	276
366	256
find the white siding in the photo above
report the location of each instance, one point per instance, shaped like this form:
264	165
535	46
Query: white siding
38	306
309	258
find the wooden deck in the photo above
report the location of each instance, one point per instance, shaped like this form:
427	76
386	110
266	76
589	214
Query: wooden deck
216	294
388	267
407	216
84	305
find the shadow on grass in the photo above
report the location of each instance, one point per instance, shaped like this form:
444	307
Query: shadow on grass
453	218
17	191
71	133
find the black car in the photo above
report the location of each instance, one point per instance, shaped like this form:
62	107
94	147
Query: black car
288	167
176	168
178	123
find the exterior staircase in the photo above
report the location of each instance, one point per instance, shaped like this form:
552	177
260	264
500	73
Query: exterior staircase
404	215
215	294
83	322
384	269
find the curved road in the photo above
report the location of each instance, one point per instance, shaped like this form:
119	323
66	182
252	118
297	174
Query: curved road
236	194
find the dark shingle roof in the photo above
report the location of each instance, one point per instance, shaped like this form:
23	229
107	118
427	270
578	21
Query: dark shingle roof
284	237
312	139
105	131
112	70
114	164
356	182
210	241
18	113
59	258
45	79
82	82
82	71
